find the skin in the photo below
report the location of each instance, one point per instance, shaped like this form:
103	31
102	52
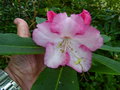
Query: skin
24	69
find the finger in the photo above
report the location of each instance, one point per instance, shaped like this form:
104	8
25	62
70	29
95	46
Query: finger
22	27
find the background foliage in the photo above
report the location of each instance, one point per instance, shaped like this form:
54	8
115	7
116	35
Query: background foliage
105	16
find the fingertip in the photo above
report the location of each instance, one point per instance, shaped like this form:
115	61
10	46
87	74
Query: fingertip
22	27
17	20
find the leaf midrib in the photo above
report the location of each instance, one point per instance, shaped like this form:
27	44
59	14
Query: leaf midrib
59	76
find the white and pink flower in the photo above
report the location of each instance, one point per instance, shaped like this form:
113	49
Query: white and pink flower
68	40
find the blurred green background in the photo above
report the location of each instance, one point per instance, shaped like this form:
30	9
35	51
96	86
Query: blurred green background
105	17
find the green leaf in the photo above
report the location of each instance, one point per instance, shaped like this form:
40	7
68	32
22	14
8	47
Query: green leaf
40	20
100	68
110	63
106	38
109	48
13	44
63	78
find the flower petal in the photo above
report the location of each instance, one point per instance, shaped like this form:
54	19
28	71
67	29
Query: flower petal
80	58
91	38
42	35
54	57
67	26
86	17
56	24
51	15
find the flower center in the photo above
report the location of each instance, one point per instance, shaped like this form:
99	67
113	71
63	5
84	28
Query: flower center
64	44
67	45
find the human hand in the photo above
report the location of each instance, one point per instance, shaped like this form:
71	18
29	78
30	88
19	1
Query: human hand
24	69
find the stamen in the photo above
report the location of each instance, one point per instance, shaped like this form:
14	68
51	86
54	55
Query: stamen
62	50
78	61
66	44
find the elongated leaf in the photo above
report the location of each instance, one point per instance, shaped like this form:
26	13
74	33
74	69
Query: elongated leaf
110	63
63	78
100	68
109	48
106	38
13	44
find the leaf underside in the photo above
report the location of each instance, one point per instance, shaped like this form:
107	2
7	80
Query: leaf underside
13	44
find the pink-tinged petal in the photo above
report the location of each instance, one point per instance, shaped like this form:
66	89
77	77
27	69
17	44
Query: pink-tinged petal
55	26
86	17
67	26
78	27
80	58
51	15
43	35
54	57
91	38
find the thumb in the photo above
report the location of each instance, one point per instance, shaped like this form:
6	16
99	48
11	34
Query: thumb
22	27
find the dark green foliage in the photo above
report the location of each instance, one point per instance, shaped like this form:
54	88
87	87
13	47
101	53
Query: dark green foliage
95	81
3	61
105	17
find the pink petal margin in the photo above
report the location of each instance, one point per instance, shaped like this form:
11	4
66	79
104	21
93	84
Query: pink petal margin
51	15
91	38
86	17
43	35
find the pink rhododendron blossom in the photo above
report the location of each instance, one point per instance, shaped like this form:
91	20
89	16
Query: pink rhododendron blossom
68	40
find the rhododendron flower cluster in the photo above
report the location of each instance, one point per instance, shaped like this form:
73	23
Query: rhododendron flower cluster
69	40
